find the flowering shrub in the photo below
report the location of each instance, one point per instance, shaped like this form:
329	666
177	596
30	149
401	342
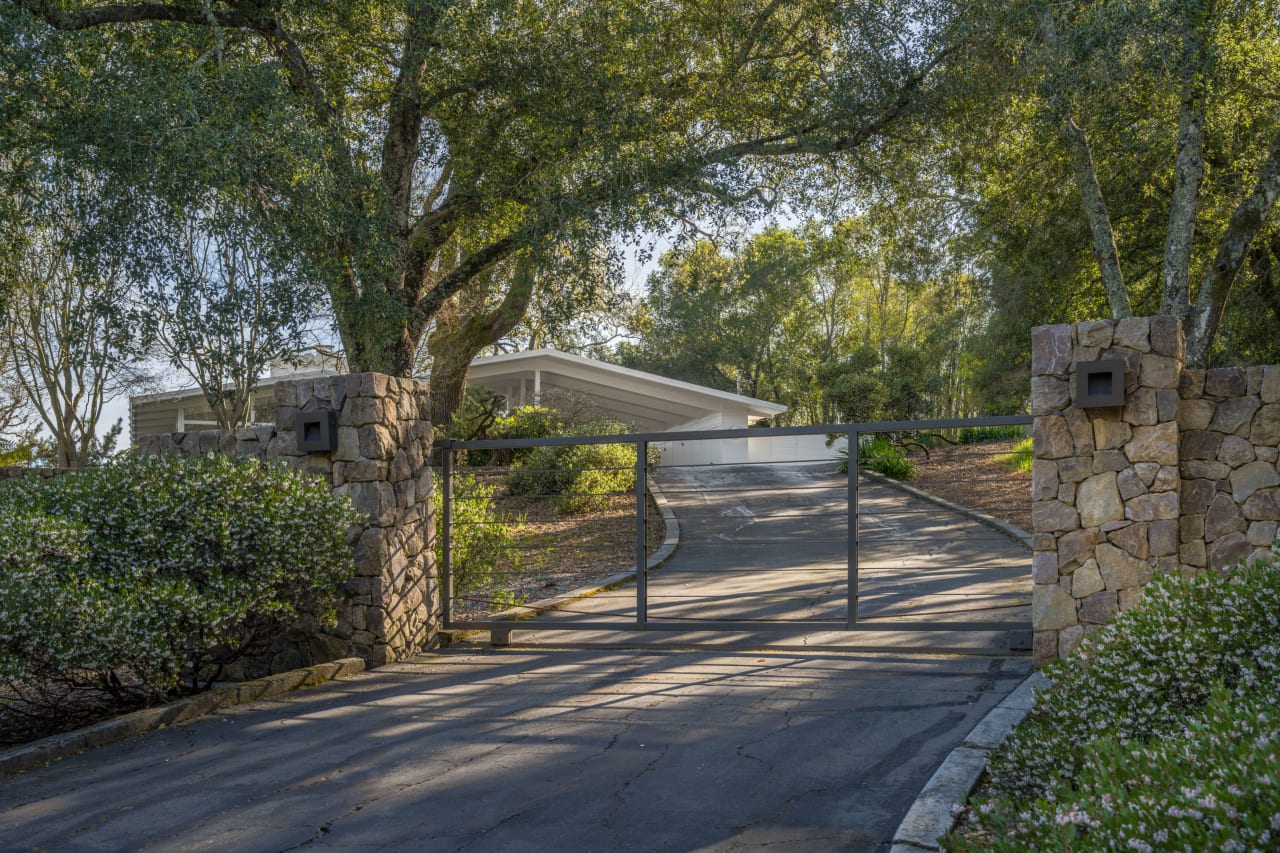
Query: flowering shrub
1147	697
1212	784
153	571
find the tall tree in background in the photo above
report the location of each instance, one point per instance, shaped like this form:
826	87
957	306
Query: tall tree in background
222	299
68	344
1158	114
858	321
425	141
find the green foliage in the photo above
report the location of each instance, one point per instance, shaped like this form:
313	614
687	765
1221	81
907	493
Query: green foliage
583	475
1178	679
483	542
857	397
880	453
1020	458
162	568
1130	76
479	418
401	142
1206	785
978	435
857	320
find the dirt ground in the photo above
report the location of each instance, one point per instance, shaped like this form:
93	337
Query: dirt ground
969	475
552	553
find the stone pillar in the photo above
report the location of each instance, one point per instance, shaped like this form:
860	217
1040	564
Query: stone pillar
389	606
1105	481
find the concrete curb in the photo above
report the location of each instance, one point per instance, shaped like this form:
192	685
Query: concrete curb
43	751
930	816
669	544
1017	534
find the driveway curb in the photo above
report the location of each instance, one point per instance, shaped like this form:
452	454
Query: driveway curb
1017	534
931	816
43	751
670	542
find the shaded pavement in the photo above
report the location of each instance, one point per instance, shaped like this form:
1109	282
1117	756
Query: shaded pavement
670	745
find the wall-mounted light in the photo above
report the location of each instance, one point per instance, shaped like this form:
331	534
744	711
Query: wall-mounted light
1100	383
317	431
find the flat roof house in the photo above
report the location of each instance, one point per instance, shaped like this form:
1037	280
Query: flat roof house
653	403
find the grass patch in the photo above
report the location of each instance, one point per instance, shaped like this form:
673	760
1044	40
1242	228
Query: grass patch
1019	459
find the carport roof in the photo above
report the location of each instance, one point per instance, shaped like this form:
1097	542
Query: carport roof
646	398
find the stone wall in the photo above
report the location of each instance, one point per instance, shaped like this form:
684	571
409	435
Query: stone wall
390	606
13	473
1230	422
1182	477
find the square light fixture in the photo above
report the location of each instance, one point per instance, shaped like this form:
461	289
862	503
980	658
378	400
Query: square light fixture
317	431
1100	383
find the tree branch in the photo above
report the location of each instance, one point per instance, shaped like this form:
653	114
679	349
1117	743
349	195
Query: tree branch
284	45
457	278
1188	176
1247	220
1095	211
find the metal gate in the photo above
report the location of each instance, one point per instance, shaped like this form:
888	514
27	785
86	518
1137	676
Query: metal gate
867	552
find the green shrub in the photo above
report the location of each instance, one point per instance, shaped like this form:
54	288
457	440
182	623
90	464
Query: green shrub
525	422
583	475
879	453
977	435
164	569
482	544
1132	692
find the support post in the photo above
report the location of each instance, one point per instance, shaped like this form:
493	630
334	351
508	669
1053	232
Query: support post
446	532
642	580
852	544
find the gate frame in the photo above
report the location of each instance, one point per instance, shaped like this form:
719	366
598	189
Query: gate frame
500	628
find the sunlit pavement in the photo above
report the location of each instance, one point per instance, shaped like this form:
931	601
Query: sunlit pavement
604	740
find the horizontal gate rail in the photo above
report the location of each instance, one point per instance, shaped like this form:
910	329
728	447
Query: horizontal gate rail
642	618
791	625
750	432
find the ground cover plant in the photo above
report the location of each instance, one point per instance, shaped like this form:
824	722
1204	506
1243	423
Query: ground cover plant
1161	733
140	580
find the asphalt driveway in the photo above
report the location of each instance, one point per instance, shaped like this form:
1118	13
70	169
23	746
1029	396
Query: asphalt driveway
511	750
670	742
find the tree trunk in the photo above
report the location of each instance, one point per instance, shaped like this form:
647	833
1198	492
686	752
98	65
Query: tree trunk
1188	176
1095	211
1246	221
376	335
460	335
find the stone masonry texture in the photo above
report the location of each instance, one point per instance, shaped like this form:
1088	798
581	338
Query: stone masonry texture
382	462
1181	478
